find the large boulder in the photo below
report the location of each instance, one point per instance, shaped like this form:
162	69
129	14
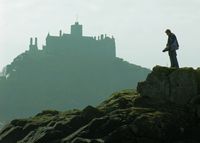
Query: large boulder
176	85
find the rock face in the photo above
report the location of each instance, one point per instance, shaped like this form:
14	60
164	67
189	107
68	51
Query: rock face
126	117
176	85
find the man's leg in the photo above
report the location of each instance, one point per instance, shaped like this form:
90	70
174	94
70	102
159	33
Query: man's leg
174	59
171	60
176	62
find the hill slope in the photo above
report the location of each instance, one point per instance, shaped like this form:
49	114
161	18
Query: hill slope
39	81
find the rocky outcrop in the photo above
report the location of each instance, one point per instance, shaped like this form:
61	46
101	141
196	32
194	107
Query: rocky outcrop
126	117
177	85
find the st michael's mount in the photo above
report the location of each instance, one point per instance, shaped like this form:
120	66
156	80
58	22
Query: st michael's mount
70	71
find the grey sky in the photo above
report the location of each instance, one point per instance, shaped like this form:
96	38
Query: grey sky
137	25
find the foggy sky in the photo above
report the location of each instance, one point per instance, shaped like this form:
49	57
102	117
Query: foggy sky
137	25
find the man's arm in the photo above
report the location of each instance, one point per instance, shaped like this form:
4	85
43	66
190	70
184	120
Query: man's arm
166	49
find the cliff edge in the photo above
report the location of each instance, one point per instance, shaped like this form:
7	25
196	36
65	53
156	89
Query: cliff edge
165	109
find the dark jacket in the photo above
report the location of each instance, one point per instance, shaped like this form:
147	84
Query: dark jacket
172	42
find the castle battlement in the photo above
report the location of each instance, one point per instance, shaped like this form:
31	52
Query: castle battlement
76	43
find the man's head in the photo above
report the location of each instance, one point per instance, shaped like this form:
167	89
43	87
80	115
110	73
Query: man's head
168	32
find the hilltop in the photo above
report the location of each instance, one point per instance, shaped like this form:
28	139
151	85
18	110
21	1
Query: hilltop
126	117
70	71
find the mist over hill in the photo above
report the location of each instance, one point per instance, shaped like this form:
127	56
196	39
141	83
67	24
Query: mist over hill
71	71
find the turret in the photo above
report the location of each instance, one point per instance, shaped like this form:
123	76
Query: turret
76	30
113	37
31	41
35	41
60	33
33	47
102	36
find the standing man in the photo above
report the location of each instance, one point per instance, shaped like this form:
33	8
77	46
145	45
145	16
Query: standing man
171	47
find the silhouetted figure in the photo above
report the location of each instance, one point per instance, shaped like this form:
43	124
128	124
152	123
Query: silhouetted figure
171	47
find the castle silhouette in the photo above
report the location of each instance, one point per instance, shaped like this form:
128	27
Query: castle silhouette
70	71
76	44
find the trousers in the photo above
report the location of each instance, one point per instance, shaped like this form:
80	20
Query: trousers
173	59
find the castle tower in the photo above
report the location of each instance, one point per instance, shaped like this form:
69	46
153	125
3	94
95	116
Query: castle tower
35	41
33	47
60	33
76	30
31	42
